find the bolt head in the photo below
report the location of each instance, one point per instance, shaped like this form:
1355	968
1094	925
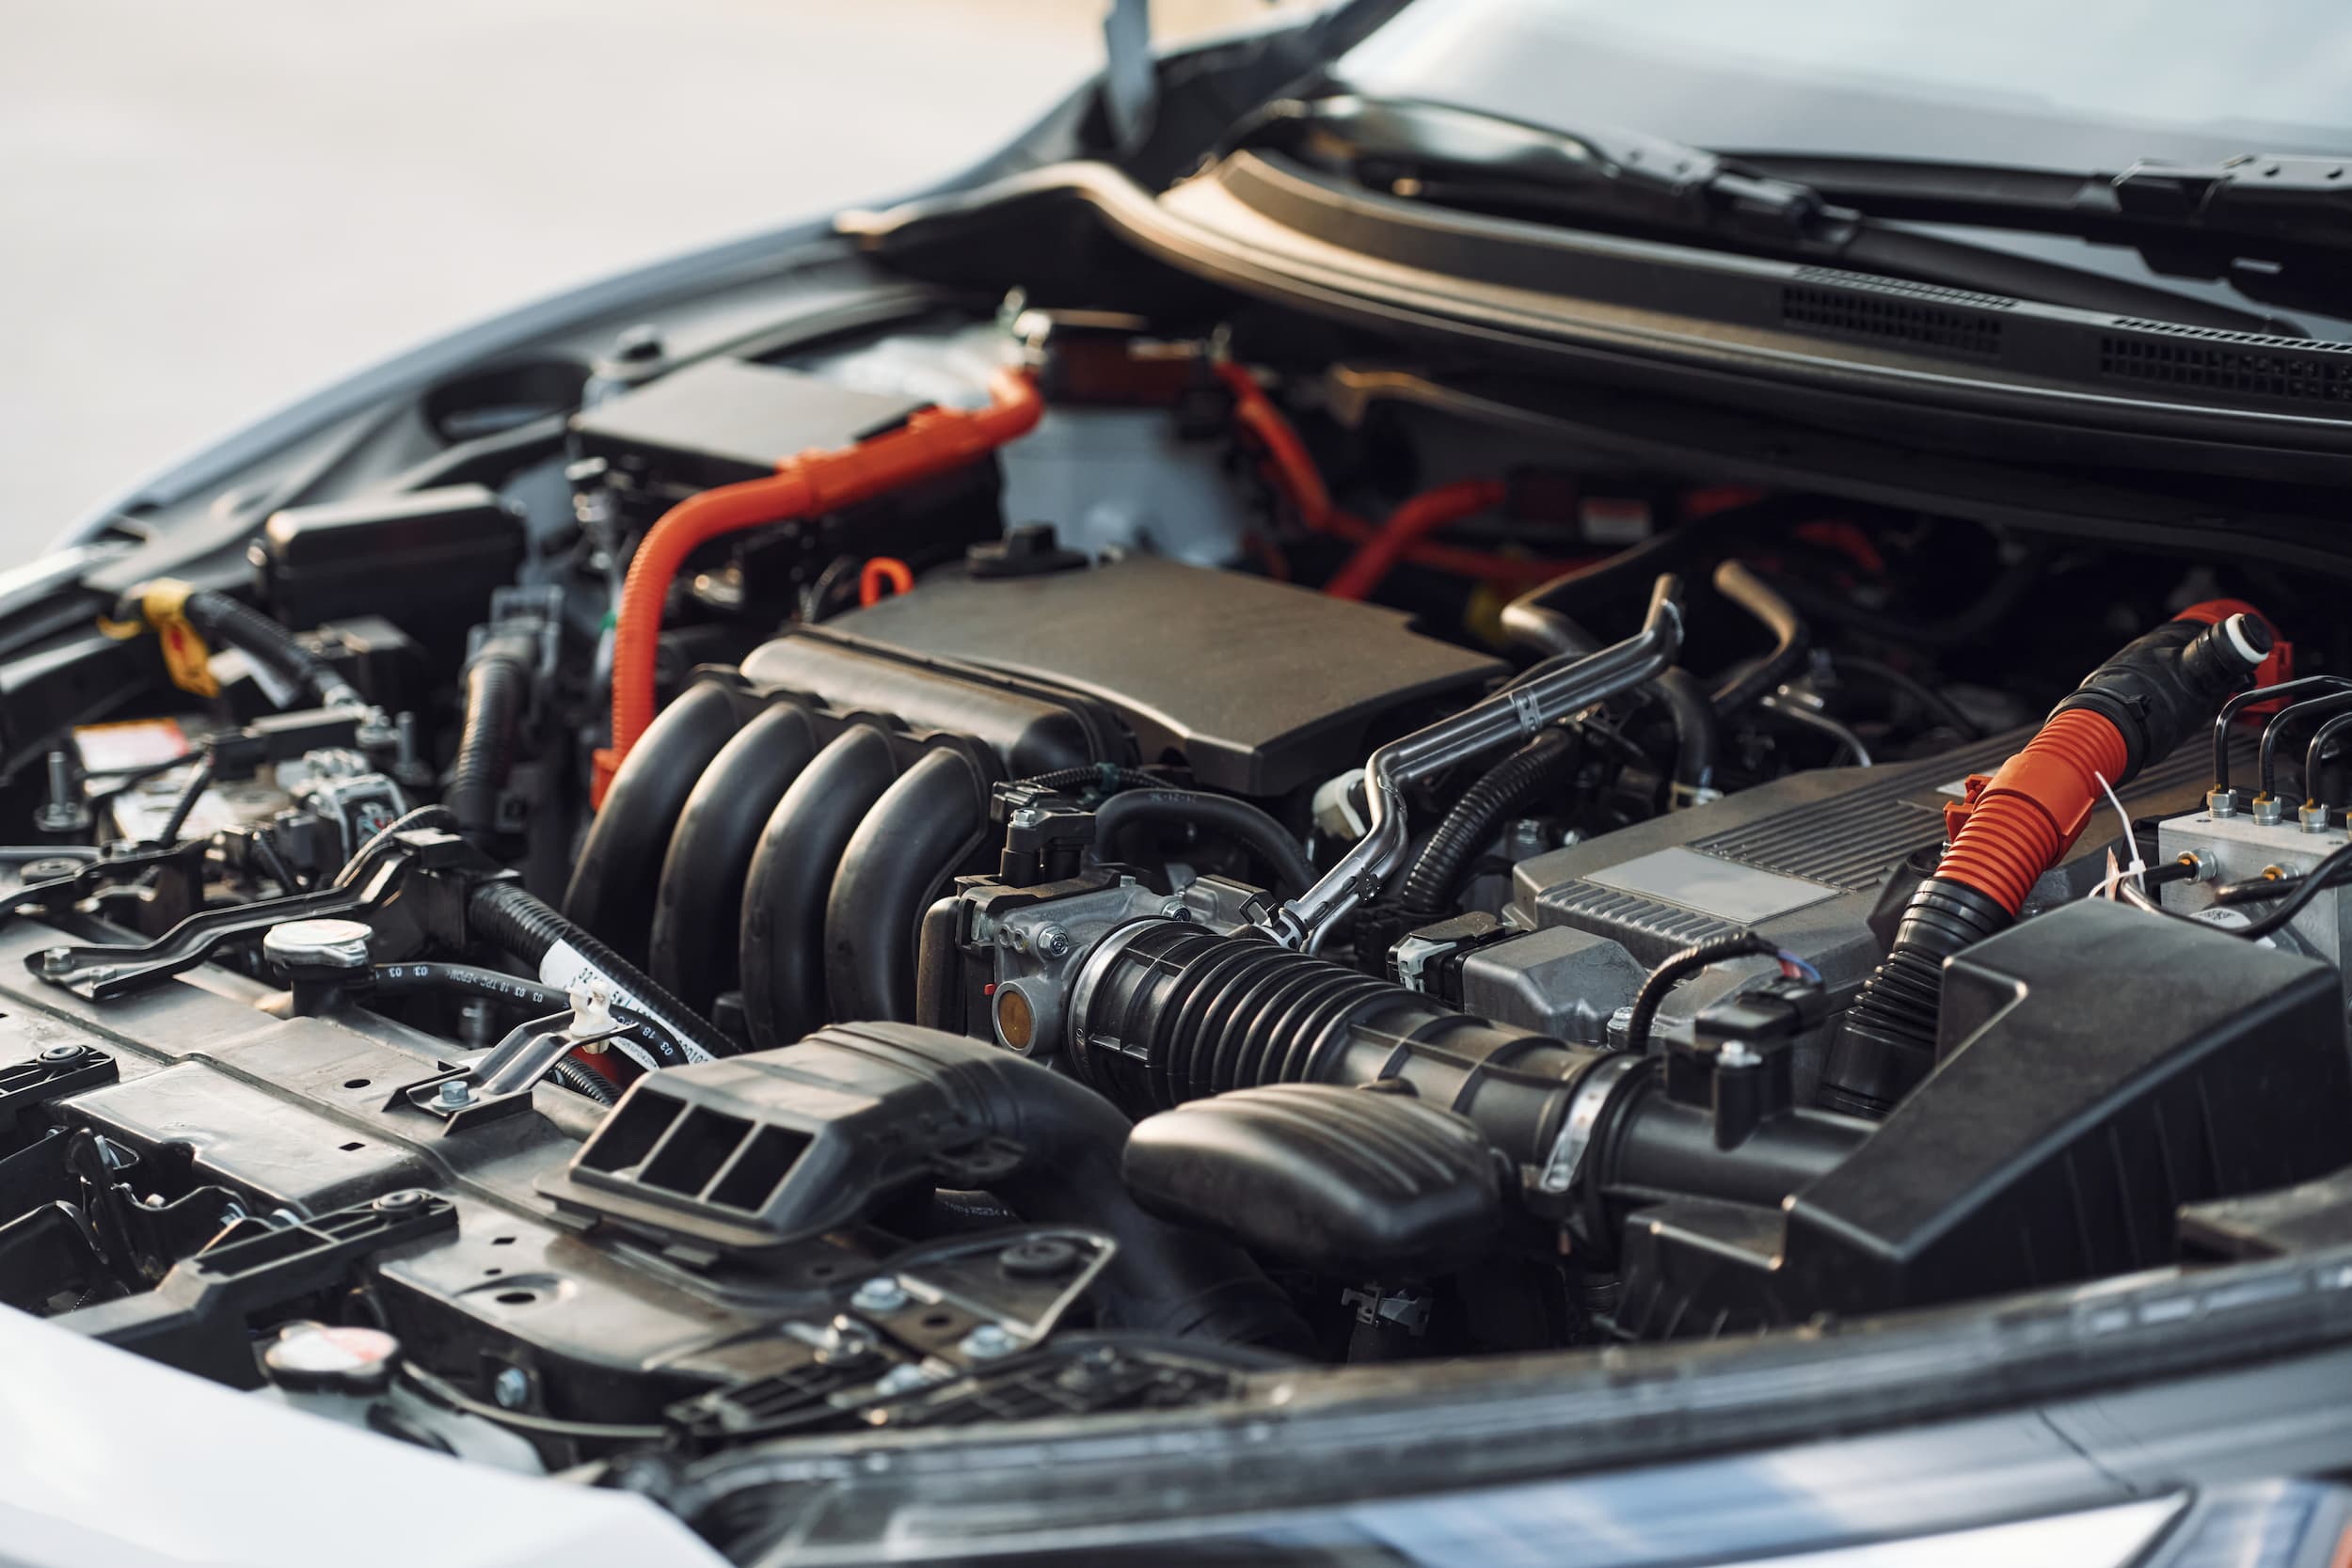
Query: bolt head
455	1092
904	1379
400	1198
1054	942
880	1294
57	1053
1174	910
57	961
511	1389
987	1342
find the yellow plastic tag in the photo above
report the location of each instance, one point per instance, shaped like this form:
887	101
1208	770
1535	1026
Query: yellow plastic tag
186	659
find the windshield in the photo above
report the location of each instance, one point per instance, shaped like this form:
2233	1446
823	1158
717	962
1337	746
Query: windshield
2091	84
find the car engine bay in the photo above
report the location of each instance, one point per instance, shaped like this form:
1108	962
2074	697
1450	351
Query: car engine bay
949	871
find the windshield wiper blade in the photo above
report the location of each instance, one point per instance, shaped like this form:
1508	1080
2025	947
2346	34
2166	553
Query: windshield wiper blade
1464	157
2279	199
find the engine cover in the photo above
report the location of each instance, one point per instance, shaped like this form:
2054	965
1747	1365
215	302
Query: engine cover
1258	686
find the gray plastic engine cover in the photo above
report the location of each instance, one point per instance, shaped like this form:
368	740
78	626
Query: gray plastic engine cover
1261	687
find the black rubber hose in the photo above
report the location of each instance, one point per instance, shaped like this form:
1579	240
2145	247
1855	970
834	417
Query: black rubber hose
920	832
1751	593
527	999
263	641
1698	734
199	779
783	942
497	685
1676	968
504	915
698	910
1549	757
1216	814
617	878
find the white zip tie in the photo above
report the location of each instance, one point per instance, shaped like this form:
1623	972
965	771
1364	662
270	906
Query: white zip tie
2139	867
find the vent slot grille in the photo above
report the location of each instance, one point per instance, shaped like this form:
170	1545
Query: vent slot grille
2247	364
1884	311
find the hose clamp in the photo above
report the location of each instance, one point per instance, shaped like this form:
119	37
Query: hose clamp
1090	973
1591	1096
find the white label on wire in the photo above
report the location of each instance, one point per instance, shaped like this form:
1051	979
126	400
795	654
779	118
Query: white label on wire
565	967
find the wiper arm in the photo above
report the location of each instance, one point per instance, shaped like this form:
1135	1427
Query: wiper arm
2258	199
1448	154
1614	173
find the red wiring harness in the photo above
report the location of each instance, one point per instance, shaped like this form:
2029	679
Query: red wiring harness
1294	473
933	441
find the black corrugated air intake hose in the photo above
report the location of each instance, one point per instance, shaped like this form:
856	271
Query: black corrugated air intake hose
498	689
503	914
2130	712
1165	1012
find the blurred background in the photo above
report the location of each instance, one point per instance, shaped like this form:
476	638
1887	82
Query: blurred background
207	210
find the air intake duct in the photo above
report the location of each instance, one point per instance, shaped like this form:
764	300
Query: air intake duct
1165	1012
2131	711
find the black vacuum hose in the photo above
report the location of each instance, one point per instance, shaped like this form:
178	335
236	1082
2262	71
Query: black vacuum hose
497	685
698	912
503	914
783	942
920	832
1543	762
616	880
1698	734
1218	813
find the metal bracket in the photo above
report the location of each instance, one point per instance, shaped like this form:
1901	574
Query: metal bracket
103	971
499	1084
178	869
